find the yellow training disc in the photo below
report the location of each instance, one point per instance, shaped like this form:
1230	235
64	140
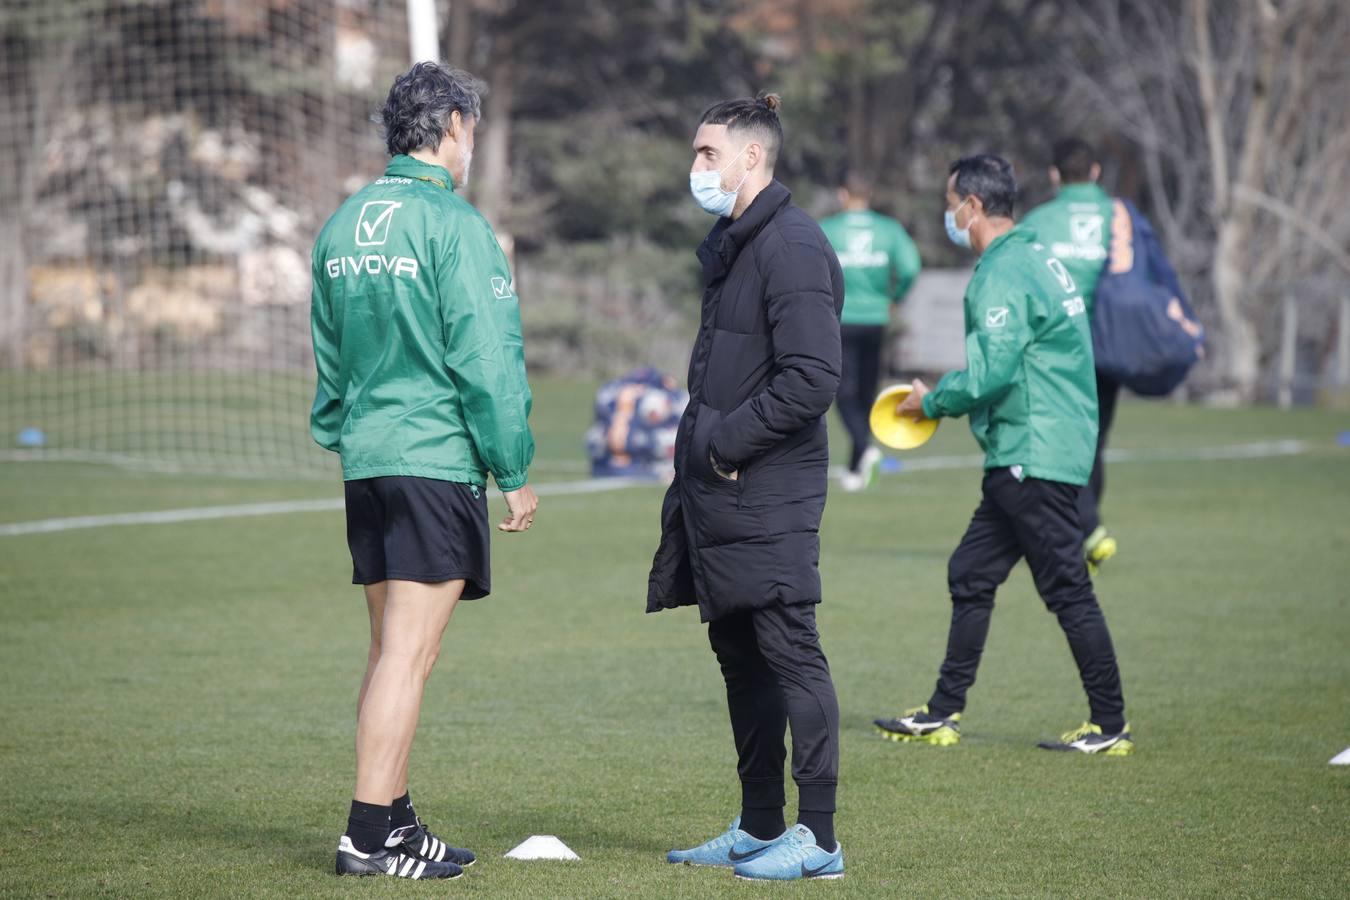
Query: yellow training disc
899	432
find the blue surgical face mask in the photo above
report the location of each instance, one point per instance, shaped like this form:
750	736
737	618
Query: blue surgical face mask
958	236
707	189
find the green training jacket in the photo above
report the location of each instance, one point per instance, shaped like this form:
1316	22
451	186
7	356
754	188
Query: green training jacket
417	337
880	263
1076	226
1029	385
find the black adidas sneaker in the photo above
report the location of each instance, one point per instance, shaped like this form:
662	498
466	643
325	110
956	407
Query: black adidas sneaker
351	861
416	840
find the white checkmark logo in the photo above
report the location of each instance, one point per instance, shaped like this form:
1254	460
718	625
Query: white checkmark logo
372	226
996	318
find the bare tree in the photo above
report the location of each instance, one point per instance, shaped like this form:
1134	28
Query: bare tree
1238	111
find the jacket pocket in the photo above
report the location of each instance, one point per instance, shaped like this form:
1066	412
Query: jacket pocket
353	416
699	462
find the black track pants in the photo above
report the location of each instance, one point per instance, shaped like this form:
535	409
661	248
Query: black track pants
1037	520
861	345
1090	499
777	674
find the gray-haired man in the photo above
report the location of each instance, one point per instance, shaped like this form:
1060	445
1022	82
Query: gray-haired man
422	390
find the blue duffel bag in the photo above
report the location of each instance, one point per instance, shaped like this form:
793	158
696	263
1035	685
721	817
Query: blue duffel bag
1144	332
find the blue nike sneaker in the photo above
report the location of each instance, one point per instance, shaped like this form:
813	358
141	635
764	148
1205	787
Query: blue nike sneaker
727	849
794	855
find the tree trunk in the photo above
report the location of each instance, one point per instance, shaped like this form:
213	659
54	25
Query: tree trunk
460	37
493	192
1241	346
858	157
1236	222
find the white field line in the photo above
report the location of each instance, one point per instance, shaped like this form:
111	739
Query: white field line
1261	450
244	510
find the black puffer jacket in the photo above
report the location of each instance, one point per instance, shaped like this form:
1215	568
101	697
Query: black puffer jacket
764	371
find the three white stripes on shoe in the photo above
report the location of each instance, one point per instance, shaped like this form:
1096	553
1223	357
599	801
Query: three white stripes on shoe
432	848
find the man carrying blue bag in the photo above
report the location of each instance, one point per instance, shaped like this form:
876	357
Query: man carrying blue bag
1144	332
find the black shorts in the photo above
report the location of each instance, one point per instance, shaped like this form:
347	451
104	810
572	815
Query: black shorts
419	529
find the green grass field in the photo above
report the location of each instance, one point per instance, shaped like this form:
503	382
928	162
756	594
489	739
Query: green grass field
178	699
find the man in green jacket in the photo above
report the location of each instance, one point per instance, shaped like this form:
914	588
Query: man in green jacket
422	391
880	263
1029	390
1076	226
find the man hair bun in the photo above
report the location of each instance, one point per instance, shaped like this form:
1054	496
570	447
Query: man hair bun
771	101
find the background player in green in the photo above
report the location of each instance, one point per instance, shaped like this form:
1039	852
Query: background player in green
1076	226
1030	392
880	263
422	390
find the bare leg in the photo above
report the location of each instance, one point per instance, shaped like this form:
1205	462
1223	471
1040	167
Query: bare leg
375	597
375	594
415	617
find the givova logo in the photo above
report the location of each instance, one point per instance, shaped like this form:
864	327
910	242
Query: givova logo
371	264
860	253
372	226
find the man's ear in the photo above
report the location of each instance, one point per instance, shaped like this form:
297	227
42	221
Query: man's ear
976	206
1055	178
1095	172
456	129
754	155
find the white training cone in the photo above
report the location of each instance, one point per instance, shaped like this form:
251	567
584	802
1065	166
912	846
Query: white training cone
1342	758
542	846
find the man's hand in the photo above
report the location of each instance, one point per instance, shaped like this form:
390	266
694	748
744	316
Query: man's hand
721	466
520	504
913	404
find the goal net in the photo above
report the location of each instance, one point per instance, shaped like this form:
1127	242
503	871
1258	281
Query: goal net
164	166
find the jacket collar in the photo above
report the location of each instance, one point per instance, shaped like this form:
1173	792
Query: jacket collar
724	243
1020	234
1080	191
402	166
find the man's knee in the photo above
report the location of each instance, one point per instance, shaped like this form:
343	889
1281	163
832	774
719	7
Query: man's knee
967	586
1071	599
414	653
430	660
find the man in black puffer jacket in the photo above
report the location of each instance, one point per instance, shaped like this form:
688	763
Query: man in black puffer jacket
740	523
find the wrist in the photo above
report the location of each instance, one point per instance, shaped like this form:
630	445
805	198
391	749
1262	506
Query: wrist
929	409
508	483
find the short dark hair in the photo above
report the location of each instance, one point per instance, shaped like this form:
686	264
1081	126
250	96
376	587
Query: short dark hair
757	117
1074	157
988	177
416	113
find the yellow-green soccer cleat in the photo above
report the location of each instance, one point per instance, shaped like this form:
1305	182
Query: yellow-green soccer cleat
1098	548
917	725
1088	738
